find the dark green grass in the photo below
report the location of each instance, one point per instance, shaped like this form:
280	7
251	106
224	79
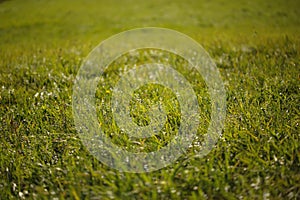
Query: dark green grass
256	48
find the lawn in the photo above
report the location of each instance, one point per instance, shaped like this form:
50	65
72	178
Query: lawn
256	47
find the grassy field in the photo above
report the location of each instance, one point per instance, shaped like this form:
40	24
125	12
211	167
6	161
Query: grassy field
256	46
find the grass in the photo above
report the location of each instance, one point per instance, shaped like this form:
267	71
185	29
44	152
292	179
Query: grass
256	47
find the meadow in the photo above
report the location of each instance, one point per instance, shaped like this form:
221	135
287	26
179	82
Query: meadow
256	47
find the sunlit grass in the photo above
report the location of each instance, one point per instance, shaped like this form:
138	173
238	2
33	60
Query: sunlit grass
258	155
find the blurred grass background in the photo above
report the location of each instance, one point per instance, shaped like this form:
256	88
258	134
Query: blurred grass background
39	22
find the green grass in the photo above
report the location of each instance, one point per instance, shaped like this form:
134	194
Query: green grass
255	45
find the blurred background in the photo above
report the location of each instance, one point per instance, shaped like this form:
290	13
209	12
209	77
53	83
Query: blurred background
83	21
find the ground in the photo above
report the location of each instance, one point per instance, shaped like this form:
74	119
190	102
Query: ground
255	45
